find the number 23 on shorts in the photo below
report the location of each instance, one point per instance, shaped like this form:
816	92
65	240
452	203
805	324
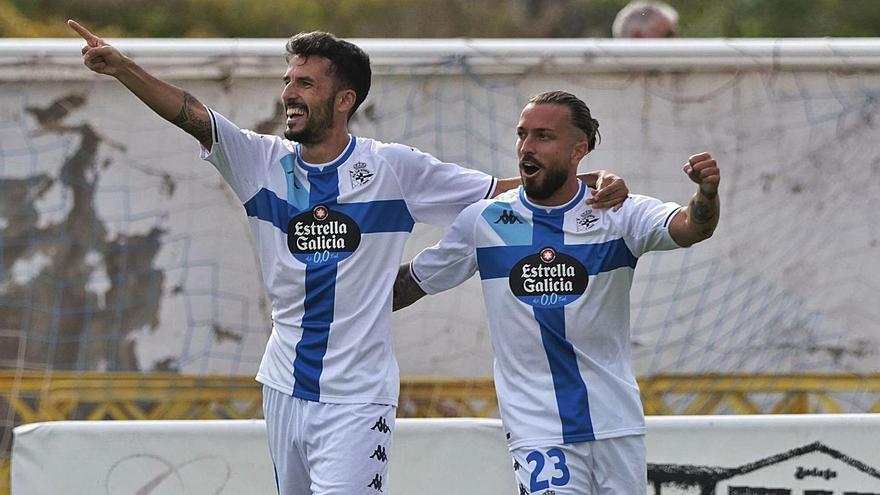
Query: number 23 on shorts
541	479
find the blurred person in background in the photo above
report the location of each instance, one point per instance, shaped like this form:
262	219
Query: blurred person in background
645	19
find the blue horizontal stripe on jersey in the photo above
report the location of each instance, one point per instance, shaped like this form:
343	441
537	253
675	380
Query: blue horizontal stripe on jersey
267	206
372	217
497	261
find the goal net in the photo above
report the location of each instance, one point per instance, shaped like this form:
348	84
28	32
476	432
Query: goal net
120	250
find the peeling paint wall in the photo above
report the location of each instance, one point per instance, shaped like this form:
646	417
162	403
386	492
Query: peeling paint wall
65	322
98	236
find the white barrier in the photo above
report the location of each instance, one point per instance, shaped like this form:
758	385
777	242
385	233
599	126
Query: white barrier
430	457
706	455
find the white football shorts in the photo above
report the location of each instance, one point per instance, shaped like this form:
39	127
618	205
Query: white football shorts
320	448
614	466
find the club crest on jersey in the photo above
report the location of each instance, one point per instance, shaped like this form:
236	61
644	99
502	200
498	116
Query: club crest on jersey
548	279
360	175
586	220
322	235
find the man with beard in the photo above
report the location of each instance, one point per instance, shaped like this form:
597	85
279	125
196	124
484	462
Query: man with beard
330	214
556	275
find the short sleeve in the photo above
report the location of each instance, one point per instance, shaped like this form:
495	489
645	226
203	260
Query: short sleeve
453	260
645	222
435	191
241	156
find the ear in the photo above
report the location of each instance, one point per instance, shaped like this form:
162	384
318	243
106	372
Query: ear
580	150
345	100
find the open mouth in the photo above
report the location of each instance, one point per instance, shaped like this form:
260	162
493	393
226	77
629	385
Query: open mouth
529	167
294	113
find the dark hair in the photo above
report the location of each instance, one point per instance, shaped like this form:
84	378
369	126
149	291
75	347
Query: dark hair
580	113
349	64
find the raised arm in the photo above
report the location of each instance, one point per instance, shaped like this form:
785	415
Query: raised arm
170	102
406	290
611	189
698	220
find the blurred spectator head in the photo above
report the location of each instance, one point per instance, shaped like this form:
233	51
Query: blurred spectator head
645	19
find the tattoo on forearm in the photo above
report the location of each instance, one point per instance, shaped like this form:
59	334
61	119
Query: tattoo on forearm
406	290
189	121
701	212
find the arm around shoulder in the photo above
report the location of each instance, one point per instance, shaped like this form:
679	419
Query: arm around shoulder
442	266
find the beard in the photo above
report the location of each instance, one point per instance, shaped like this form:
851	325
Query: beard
317	125
550	181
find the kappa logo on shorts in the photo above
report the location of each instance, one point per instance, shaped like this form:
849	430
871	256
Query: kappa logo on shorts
516	465
376	484
381	425
379	454
522	490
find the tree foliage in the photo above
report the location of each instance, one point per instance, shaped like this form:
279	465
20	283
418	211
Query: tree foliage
430	18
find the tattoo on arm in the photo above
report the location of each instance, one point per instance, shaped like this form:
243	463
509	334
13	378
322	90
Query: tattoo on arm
189	121
701	212
406	290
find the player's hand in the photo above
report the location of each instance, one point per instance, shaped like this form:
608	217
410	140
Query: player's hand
703	170
97	54
611	191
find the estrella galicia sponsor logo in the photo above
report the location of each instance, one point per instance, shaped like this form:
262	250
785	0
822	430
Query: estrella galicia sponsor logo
322	235
548	279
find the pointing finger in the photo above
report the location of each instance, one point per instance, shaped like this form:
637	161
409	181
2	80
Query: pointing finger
87	35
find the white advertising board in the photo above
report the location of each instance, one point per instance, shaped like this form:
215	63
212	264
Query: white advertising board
707	455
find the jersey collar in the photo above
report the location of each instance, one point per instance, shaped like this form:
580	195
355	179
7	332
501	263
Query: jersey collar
553	210
346	153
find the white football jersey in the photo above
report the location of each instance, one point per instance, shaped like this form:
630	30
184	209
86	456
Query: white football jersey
556	285
330	239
